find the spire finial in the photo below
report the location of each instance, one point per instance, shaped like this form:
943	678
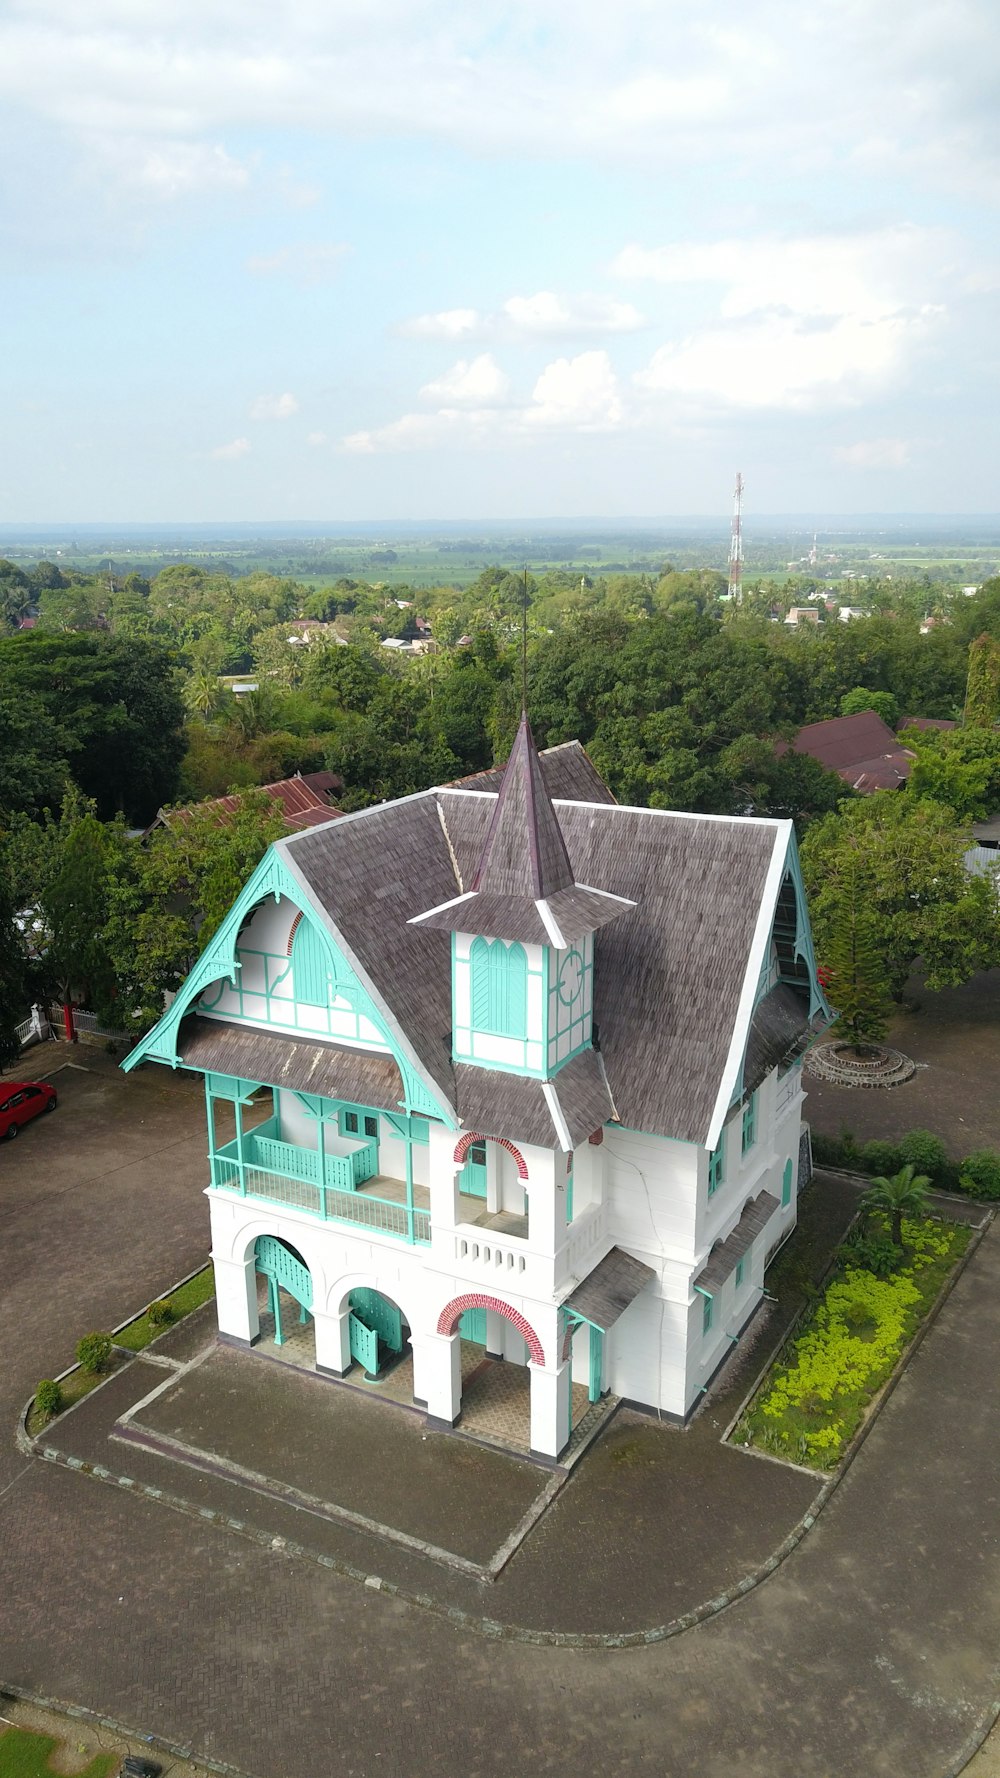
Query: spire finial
524	644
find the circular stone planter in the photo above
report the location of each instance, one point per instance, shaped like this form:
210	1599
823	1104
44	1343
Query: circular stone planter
879	1066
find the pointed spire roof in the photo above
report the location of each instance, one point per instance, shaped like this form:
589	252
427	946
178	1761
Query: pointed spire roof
525	853
523	886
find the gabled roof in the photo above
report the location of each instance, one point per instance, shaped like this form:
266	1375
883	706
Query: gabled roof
675	977
522	886
304	801
861	749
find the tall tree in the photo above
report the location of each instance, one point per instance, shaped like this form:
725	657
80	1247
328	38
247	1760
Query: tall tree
982	692
858	989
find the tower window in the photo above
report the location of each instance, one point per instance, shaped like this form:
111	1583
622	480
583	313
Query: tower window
499	988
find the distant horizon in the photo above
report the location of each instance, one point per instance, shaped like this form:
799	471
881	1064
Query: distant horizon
34	529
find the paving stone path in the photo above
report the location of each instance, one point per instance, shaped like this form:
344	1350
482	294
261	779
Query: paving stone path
873	1651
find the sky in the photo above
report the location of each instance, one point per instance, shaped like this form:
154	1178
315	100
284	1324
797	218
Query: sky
422	259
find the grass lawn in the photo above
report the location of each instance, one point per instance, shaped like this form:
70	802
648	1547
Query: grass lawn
132	1338
190	1296
814	1398
25	1754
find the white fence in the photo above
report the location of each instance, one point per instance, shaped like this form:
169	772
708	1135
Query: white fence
43	1024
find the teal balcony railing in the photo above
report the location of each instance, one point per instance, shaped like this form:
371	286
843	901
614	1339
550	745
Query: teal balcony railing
329	1186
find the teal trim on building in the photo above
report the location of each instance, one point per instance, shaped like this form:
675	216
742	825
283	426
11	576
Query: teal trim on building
740	1270
498	988
310	966
717	1166
221	960
750	1123
707	1315
786	1185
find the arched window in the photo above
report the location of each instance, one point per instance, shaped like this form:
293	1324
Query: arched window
499	988
310	966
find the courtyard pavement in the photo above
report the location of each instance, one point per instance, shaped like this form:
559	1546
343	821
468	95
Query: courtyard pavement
872	1651
952	1036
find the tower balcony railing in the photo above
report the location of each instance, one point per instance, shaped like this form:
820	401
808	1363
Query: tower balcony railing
333	1186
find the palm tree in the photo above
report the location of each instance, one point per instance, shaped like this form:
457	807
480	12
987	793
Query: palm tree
201	693
904	1194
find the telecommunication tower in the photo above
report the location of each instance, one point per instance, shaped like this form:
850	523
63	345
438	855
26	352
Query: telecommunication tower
736	545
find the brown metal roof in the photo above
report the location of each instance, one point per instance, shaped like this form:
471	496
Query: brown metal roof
605	1294
725	1255
332	1069
861	749
304	802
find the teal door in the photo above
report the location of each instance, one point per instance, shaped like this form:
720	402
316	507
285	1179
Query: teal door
472	1178
472	1326
364	1344
378	1313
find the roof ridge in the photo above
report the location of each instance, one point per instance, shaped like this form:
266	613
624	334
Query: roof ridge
524	815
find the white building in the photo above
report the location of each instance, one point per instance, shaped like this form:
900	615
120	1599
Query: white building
531	1063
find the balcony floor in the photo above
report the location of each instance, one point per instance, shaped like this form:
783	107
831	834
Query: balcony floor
471	1211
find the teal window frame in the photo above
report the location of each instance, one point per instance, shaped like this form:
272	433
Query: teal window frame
786	1186
359	1120
740	1271
310	966
498	988
717	1166
707	1315
750	1123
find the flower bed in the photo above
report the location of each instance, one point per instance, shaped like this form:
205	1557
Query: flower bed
813	1401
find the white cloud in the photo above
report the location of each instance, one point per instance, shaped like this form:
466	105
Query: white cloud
316	438
574	395
580	393
542	316
274	407
306	262
448	324
240	447
476	382
874	453
822	321
166	170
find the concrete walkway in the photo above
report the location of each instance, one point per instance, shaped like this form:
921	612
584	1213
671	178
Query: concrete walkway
872	1652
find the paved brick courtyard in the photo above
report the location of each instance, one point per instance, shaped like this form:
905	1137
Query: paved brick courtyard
871	1653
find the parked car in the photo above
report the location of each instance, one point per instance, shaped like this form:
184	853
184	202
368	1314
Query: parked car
21	1100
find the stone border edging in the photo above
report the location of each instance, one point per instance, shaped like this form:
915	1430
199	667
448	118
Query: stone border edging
493	1630
80	1713
23	1438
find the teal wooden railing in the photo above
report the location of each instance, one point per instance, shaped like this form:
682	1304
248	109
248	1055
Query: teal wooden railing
282	1173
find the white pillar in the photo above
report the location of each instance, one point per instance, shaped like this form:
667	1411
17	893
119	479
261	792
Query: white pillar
333	1342
550	1407
437	1376
495	1325
236	1298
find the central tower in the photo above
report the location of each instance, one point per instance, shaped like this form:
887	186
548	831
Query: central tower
522	949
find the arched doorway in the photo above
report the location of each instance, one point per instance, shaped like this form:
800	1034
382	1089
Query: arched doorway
285	1273
492	1185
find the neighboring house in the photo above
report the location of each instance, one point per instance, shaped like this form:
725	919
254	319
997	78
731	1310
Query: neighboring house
303	631
861	749
802	614
533	1063
848	613
306	800
924	722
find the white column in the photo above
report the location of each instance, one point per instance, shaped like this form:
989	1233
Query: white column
236	1298
437	1375
495	1325
550	1399
333	1342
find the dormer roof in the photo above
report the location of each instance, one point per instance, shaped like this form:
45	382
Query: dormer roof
523	885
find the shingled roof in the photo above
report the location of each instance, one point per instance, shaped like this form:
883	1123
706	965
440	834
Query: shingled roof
523	885
675	975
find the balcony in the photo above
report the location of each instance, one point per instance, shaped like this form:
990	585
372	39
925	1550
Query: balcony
342	1185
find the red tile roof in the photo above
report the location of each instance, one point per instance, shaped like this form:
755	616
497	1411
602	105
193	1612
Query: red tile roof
304	802
861	749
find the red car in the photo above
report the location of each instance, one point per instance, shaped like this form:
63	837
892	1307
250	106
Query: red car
21	1100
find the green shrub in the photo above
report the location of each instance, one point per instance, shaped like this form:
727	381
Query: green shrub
926	1153
159	1314
872	1251
979	1174
878	1158
828	1151
48	1398
93	1352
